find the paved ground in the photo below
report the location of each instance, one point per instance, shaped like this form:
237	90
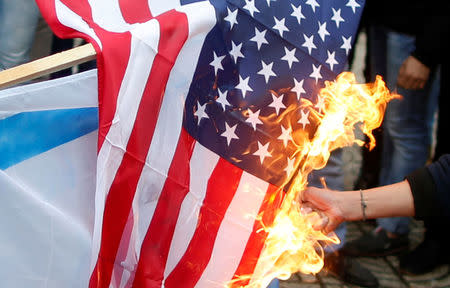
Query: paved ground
384	268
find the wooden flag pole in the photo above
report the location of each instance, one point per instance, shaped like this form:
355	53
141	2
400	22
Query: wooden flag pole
46	65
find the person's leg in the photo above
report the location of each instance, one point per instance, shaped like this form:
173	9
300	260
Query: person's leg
274	284
406	126
406	142
18	21
433	250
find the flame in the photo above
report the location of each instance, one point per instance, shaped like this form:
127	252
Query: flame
292	245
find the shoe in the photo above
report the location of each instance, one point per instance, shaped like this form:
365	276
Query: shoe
429	255
376	244
349	270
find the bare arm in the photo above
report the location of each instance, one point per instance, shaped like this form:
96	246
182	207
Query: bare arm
385	201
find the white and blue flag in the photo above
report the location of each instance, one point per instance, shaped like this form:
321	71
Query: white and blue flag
48	138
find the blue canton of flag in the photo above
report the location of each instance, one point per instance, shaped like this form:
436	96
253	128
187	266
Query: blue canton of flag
261	58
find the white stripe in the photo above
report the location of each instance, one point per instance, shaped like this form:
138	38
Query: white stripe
166	134
107	14
201	17
70	19
112	150
158	7
130	262
203	162
234	232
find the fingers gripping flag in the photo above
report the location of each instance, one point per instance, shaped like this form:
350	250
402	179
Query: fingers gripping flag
189	142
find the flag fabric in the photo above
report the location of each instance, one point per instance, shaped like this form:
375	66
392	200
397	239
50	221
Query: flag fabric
48	137
191	143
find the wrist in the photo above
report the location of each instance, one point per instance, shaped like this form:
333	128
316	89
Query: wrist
350	205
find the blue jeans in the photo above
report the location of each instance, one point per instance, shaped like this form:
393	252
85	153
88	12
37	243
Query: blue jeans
407	121
274	284
18	21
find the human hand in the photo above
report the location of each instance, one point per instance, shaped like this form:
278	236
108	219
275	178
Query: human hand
413	74
325	202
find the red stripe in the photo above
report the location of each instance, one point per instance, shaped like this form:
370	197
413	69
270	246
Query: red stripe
222	187
156	245
174	32
255	243
115	48
136	11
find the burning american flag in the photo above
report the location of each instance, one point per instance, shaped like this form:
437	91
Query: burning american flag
204	106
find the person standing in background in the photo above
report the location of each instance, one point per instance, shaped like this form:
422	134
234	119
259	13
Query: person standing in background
433	251
401	51
18	22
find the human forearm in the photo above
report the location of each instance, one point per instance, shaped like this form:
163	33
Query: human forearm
337	207
386	201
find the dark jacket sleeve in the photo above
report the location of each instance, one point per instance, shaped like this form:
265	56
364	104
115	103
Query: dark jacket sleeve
430	187
433	26
430	40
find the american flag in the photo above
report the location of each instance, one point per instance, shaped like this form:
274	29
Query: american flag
192	145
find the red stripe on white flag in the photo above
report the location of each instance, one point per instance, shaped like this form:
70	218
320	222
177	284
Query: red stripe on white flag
255	243
203	163
165	136
167	130
113	124
79	15
122	191
222	186
129	96
156	244
234	232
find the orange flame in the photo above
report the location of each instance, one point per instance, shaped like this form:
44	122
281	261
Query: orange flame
292	244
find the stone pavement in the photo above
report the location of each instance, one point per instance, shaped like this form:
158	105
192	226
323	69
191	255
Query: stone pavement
384	268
